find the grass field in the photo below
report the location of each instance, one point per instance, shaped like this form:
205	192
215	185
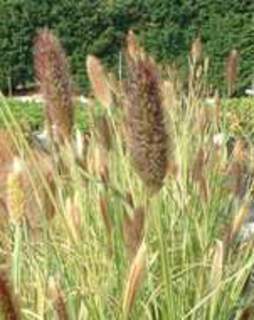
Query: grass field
142	220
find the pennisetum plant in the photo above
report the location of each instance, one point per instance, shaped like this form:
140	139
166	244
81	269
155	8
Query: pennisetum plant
146	130
16	197
99	81
52	71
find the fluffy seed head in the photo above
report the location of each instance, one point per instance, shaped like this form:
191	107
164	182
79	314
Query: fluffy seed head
147	137
52	70
99	81
15	195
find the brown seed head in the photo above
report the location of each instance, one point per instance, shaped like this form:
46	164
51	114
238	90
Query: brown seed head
147	136
99	81
52	70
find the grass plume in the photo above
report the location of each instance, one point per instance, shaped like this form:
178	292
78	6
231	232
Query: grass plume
148	139
99	81
52	71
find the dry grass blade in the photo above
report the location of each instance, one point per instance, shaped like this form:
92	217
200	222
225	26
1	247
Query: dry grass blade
52	70
217	264
58	300
147	136
134	280
238	222
199	175
99	81
133	231
73	216
81	148
104	210
9	307
104	132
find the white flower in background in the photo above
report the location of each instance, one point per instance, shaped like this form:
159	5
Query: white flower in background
218	139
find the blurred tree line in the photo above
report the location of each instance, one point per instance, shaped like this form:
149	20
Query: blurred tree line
165	27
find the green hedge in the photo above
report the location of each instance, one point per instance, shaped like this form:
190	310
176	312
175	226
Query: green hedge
165	27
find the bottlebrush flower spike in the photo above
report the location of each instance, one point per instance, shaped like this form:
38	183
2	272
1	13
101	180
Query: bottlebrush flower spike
16	198
52	71
147	136
99	81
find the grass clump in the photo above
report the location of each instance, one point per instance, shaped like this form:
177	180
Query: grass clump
108	250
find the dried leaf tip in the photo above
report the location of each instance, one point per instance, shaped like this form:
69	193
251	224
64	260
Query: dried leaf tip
134	280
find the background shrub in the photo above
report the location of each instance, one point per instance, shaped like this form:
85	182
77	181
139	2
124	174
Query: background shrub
99	27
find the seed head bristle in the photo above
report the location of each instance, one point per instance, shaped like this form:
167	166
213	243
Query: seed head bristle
147	136
52	70
99	81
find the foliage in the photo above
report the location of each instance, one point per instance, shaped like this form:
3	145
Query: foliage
99	27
